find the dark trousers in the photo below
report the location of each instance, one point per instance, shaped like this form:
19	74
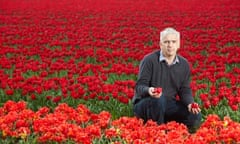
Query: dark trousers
163	111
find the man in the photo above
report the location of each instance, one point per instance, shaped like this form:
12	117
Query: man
167	71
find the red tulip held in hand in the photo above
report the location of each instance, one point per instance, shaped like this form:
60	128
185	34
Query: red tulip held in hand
157	90
195	105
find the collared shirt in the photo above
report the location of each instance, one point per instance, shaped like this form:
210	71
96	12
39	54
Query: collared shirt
163	58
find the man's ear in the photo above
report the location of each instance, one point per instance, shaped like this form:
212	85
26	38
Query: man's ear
178	44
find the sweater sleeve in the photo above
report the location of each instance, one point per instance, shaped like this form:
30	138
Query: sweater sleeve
185	91
144	78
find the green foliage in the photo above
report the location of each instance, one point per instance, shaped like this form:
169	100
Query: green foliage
112	77
116	108
104	140
28	139
222	110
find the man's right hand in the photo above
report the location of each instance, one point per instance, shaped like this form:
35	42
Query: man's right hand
155	92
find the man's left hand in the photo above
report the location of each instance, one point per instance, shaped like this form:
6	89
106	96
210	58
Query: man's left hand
194	108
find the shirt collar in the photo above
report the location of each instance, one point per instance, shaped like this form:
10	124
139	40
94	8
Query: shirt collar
162	58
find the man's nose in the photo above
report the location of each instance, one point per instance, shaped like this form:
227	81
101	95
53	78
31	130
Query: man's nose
170	44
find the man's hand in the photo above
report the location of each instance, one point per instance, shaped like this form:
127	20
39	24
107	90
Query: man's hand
194	108
155	92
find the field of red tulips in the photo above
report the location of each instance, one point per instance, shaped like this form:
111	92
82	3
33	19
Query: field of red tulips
68	69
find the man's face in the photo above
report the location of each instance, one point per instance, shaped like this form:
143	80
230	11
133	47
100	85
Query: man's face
169	45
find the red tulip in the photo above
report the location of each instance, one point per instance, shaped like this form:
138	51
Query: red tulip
194	105
157	90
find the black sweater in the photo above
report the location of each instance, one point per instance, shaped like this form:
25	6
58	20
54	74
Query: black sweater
174	79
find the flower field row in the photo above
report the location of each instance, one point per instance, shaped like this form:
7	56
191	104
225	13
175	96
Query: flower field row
56	55
94	52
80	125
